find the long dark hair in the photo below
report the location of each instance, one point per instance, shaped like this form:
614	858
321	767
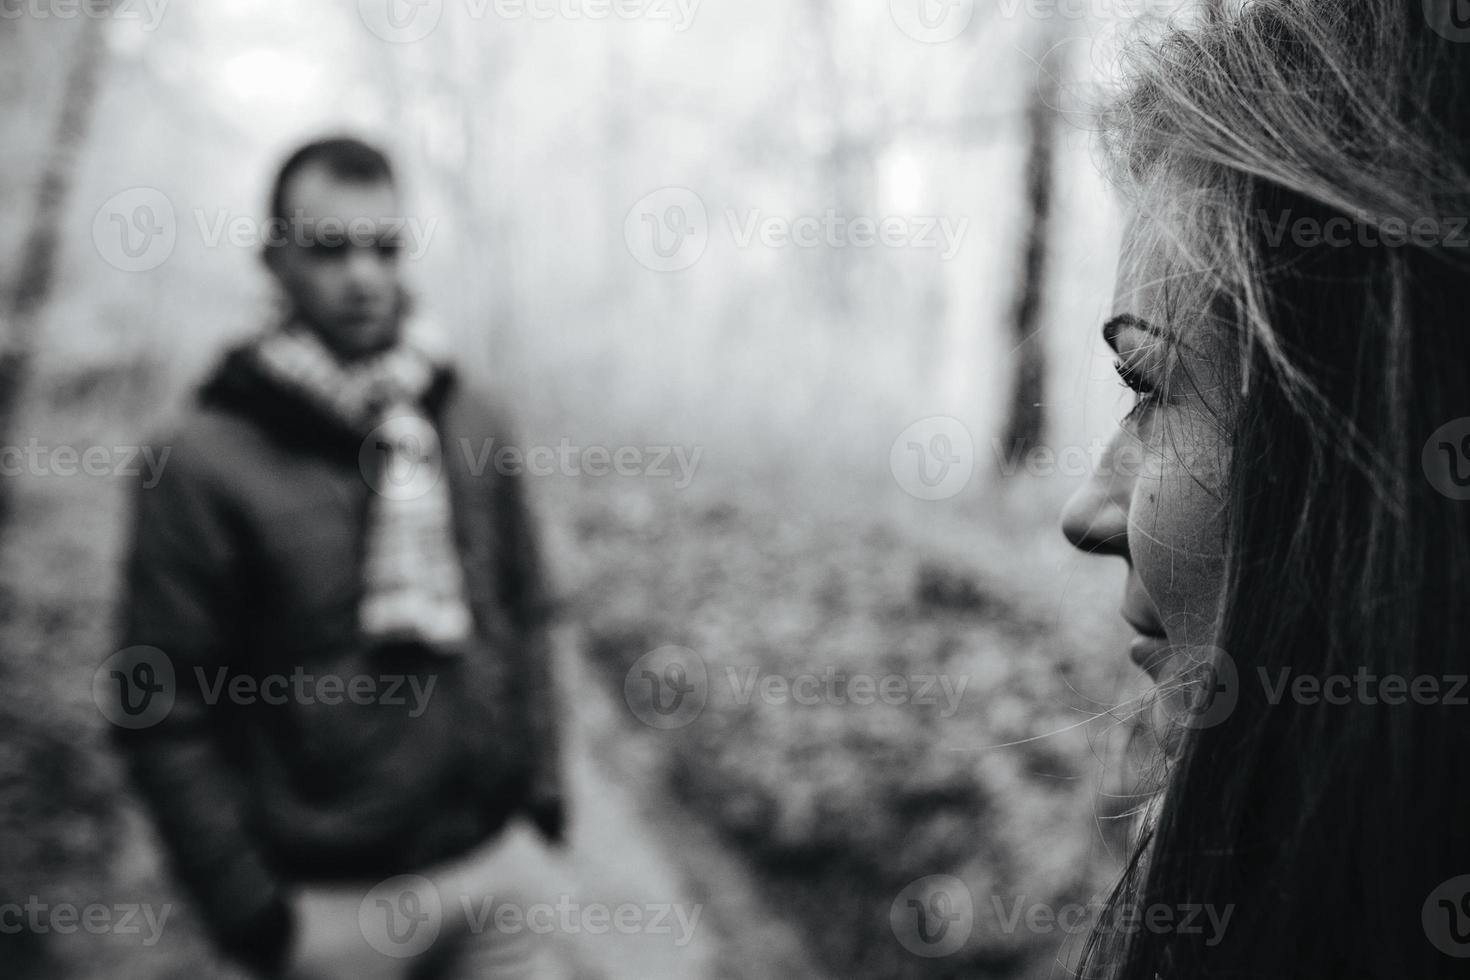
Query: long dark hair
1324	828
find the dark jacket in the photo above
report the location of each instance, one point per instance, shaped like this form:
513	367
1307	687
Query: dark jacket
246	563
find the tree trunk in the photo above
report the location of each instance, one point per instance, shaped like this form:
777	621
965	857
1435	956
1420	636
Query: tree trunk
36	270
1026	417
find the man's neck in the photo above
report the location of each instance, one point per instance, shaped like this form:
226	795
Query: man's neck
348	355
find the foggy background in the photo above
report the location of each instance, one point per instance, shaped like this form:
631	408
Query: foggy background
601	210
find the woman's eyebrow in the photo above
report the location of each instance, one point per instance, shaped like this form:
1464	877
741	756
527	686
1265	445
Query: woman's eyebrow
1113	327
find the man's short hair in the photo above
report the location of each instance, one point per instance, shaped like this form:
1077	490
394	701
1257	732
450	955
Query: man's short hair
343	157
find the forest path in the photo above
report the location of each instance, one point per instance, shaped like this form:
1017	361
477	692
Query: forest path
629	845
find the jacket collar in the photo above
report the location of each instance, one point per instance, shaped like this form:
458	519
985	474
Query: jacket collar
239	385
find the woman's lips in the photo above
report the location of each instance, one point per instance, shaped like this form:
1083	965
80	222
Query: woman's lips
1149	652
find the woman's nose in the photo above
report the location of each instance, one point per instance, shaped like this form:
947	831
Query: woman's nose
1095	519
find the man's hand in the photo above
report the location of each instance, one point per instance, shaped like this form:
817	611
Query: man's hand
329	943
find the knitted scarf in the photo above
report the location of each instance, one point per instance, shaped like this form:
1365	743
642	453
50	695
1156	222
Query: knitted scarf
413	583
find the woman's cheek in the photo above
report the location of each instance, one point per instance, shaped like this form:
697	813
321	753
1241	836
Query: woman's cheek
1176	526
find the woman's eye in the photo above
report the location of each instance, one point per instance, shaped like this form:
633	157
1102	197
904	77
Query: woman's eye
1135	381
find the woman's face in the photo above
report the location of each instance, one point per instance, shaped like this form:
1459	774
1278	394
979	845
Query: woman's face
1157	499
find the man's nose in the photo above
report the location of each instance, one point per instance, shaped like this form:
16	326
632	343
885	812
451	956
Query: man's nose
364	268
1095	519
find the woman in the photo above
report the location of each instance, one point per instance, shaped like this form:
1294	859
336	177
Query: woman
1289	490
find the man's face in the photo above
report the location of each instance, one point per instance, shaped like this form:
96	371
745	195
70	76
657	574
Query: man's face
340	262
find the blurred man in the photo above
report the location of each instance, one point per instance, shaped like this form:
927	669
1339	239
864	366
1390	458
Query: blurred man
354	616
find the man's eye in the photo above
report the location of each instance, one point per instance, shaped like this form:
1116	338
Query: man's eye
389	247
327	248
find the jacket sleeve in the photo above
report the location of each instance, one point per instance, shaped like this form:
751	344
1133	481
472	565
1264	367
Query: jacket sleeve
181	597
526	595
